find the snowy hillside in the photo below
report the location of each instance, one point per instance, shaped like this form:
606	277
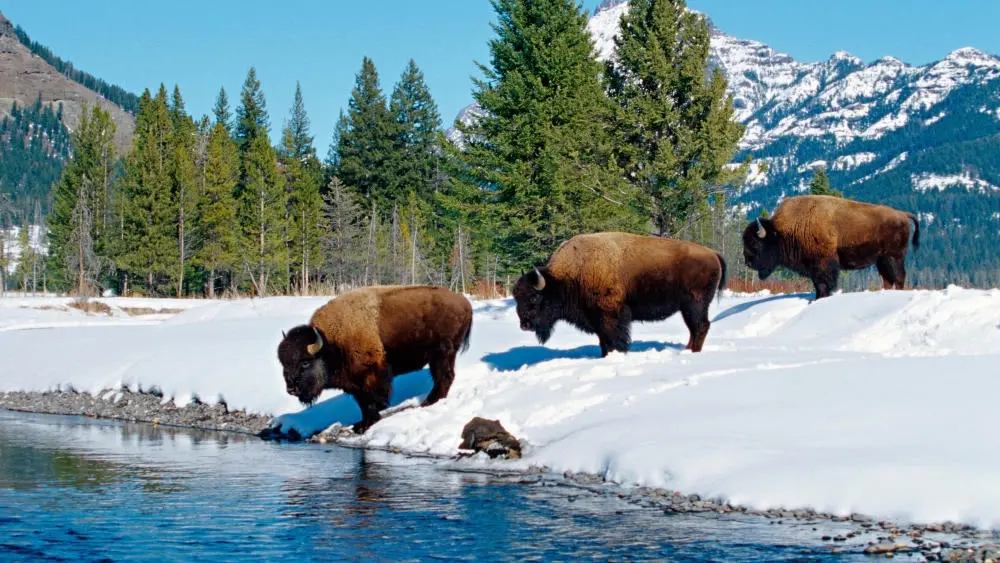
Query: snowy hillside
875	402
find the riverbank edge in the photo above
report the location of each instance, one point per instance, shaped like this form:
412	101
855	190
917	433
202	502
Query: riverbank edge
938	541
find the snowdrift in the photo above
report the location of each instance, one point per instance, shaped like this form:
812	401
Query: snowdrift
874	402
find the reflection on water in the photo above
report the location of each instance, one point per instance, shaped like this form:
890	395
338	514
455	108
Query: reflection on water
78	489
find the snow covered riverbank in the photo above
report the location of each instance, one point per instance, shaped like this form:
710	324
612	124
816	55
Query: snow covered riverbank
881	403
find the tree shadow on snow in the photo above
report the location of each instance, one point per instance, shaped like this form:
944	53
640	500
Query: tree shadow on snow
737	309
527	356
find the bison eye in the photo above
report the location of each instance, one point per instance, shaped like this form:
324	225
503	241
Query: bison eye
305	363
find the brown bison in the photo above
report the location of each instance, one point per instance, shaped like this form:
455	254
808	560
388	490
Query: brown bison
361	340
602	282
817	236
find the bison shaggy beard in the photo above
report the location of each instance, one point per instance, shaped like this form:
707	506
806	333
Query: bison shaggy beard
305	373
759	251
537	309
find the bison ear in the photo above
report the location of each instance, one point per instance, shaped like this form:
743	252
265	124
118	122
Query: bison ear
539	280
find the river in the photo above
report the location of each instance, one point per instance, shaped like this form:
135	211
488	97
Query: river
85	490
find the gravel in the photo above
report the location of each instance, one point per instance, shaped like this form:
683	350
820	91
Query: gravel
938	541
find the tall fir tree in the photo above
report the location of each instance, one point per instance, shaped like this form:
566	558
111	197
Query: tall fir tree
541	151
218	225
303	175
221	111
418	124
365	143
820	184
263	218
183	184
148	230
79	224
251	115
673	119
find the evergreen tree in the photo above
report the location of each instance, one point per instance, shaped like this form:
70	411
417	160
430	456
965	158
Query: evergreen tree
80	222
221	110
303	175
365	144
820	184
218	226
183	180
418	126
263	205
673	118
345	220
542	152
333	153
148	229
251	115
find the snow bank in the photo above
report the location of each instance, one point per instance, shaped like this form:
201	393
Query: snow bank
874	402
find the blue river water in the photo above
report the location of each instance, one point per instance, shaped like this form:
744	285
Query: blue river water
75	489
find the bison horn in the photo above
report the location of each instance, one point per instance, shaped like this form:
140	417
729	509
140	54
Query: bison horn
315	347
283	335
761	232
540	281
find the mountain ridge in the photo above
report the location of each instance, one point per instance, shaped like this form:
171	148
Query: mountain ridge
25	76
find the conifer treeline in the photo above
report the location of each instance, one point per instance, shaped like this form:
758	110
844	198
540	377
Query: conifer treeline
203	206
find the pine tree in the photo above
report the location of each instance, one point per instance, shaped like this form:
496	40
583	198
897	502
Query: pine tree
222	112
365	144
333	153
251	115
218	226
673	119
80	222
820	184
303	175
346	229
183	180
417	124
148	221
542	153
263	217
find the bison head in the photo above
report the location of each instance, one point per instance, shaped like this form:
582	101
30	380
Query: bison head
537	304
305	356
760	247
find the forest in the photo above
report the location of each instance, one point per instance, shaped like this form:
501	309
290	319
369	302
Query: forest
209	206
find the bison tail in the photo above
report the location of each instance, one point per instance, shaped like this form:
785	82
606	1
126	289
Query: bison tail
916	230
468	338
722	278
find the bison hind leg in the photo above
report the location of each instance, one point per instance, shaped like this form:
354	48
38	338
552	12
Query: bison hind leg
443	374
893	271
695	316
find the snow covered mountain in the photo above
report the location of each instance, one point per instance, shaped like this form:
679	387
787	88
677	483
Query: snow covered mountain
923	138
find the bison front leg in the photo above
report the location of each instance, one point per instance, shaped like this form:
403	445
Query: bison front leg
825	280
614	332
373	398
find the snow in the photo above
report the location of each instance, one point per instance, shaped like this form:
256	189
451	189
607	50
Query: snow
926	181
874	402
852	161
935	119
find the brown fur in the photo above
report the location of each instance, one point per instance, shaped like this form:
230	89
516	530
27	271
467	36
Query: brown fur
602	282
372	335
817	236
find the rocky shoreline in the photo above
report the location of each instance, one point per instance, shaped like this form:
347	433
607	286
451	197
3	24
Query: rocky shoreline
945	541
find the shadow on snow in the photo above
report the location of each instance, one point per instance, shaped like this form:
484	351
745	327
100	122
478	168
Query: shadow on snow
527	356
737	309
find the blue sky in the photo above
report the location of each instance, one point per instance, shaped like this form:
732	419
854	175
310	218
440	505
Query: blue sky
204	45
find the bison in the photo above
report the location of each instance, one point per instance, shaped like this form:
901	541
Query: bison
817	236
361	340
601	282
